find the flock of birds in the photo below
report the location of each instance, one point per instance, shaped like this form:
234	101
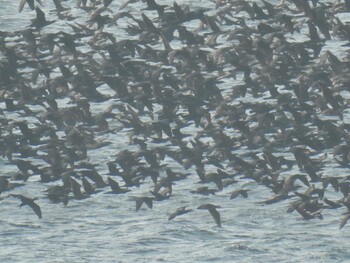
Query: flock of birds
253	81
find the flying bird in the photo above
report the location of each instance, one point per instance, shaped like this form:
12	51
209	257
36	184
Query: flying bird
30	202
242	192
212	210
180	211
140	200
116	189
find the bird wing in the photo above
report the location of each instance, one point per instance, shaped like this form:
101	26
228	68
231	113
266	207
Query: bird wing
218	183
138	204
36	209
303	213
76	188
30	202
113	184
21	5
17	196
343	221
244	193
234	194
40	15
87	186
330	203
149	202
172	216
215	214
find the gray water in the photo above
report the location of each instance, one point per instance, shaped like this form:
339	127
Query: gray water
106	228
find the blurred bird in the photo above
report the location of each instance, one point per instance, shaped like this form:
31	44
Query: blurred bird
180	211
30	202
212	210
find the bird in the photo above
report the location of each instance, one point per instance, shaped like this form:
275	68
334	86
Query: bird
163	195
140	200
242	192
179	211
212	210
308	215
30	202
204	190
40	20
116	189
76	189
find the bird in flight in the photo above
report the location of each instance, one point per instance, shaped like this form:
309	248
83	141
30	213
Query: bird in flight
30	202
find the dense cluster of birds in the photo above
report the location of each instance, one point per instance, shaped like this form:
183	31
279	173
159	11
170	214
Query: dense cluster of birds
239	91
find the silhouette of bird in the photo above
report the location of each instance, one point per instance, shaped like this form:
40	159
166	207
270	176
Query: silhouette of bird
180	211
307	215
140	200
204	191
76	189
30	202
116	189
242	192
88	187
212	210
40	20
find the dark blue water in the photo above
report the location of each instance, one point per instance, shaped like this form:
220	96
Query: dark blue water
106	228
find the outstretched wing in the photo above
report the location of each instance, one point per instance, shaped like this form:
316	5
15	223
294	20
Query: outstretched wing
234	194
149	202
40	15
343	221
21	5
36	209
215	214
172	216
30	202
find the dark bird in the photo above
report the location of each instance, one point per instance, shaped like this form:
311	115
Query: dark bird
204	191
76	189
152	5
180	211
212	210
287	186
6	185
116	189
59	193
162	195
30	202
59	7
331	204
242	192
140	200
88	187
40	20
308	215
